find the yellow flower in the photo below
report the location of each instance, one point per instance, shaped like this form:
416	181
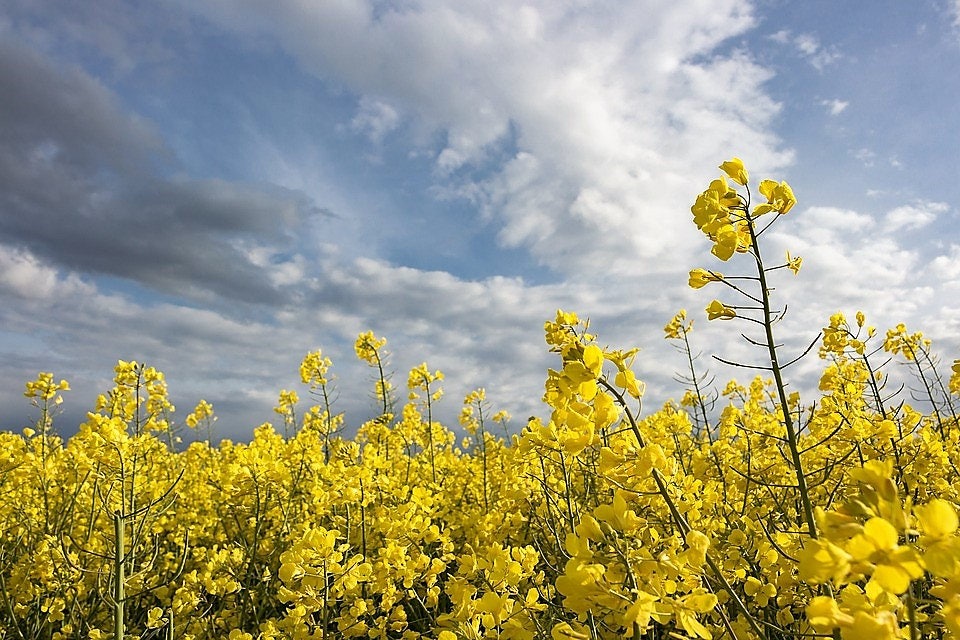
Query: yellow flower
593	359
678	326
699	278
203	411
735	171
368	347
938	518
314	367
617	515
565	631
286	402
155	618
779	196
896	566
44	387
718	310
951	615
627	379
882	626
641	611
939	524
824	614
794	263
821	561
727	241
698	544
955	378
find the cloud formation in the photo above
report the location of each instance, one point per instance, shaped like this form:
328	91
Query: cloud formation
84	183
606	110
575	136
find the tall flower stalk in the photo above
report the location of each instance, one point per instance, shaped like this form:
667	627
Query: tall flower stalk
728	218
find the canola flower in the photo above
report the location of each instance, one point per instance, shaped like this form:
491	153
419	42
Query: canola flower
599	519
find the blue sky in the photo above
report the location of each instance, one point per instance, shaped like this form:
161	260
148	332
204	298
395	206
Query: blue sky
218	187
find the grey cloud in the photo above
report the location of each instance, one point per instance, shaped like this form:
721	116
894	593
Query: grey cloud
64	117
81	184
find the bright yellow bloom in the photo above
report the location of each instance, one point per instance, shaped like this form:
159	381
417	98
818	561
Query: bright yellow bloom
699	278
955	378
779	196
882	626
824	614
938	518
678	326
951	616
718	310
641	611
286	402
896	566
368	347
698	544
626	379
314	367
421	378
821	560
713	207
203	411
735	171
565	631
44	387
794	263
727	240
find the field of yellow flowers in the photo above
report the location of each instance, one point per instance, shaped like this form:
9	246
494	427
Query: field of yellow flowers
764	518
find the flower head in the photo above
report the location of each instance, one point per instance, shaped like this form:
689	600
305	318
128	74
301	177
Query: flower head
718	310
735	171
700	278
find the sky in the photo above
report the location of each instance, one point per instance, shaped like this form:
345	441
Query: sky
217	187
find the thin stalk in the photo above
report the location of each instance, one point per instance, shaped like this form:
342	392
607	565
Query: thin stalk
119	577
792	439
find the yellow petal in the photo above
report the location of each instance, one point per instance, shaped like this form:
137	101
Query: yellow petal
881	533
735	171
938	518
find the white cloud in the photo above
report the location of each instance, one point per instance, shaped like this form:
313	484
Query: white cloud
24	275
782	36
864	155
835	107
375	119
947	266
613	110
818	56
916	216
809	48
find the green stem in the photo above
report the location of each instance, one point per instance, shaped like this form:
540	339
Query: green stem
118	576
792	439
